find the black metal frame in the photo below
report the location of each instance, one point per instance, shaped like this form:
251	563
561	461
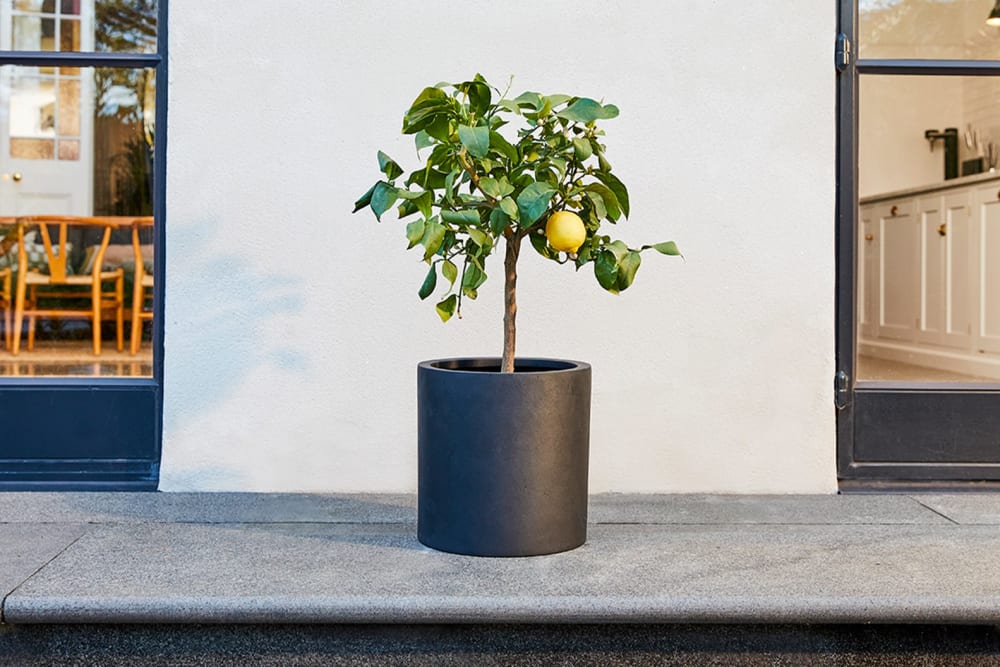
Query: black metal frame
87	433
898	435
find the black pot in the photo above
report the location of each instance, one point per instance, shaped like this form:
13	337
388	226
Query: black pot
502	457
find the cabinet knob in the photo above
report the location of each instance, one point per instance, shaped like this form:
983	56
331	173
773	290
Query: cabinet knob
895	209
943	230
869	237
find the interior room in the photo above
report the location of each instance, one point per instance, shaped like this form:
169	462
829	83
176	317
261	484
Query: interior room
928	258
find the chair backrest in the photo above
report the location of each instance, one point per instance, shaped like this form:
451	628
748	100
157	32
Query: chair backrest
138	224
57	250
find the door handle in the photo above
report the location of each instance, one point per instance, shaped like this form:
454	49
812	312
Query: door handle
943	230
16	177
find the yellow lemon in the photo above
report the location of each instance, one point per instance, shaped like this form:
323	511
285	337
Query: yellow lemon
565	231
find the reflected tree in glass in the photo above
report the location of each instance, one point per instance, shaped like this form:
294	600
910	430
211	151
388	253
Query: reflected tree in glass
127	98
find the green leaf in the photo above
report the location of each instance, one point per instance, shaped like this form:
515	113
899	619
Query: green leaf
473	276
427	178
627	268
414	233
430	282
449	271
541	246
606	271
475	139
440	127
533	202
490	187
445	309
425	203
449	184
462	218
422	140
582	149
510	105
618	248
529	99
365	199
556	100
608	196
616	186
406	208
600	210
428	94
388	166
479	94
502	146
433	237
479	238
509	207
667	248
585	110
498	221
383	198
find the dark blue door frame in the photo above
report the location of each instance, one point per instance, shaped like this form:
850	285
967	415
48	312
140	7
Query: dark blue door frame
94	433
898	435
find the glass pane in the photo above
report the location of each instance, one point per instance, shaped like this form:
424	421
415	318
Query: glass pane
69	35
85	148
929	229
69	149
940	29
69	107
32	106
32	149
124	26
33	33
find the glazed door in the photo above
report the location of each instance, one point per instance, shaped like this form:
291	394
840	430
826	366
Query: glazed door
46	113
918	383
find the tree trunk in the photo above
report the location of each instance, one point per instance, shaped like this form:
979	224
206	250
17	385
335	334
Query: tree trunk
510	301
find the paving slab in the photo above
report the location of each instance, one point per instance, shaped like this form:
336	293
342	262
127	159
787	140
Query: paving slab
761	509
118	507
379	573
24	549
401	508
966	508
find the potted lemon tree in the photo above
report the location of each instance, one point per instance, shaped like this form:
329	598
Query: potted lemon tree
503	442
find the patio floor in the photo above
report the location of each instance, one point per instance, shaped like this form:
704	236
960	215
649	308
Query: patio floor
303	558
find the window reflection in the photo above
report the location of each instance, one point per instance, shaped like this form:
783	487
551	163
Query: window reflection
938	29
121	26
929	235
80	145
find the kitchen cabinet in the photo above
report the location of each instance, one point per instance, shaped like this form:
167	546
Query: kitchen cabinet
929	276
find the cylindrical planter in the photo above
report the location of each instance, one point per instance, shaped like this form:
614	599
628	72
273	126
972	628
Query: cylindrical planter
503	457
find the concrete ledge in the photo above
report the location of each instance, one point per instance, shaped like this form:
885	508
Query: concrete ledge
651	559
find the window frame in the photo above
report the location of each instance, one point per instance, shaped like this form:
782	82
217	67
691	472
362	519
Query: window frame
117	436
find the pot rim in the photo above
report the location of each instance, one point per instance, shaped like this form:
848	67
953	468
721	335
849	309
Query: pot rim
483	365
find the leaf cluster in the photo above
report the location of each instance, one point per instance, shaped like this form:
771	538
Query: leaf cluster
497	166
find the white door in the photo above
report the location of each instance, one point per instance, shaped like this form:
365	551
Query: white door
46	113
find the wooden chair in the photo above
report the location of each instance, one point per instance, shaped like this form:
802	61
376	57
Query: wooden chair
57	273
5	305
7	239
140	284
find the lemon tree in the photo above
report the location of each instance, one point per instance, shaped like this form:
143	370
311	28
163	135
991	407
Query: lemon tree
494	167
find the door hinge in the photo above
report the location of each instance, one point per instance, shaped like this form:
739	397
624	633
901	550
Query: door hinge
843	57
841	390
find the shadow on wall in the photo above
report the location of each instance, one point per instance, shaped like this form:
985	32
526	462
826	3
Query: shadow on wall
221	314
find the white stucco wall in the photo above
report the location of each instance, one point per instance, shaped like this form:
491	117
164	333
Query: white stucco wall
293	328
